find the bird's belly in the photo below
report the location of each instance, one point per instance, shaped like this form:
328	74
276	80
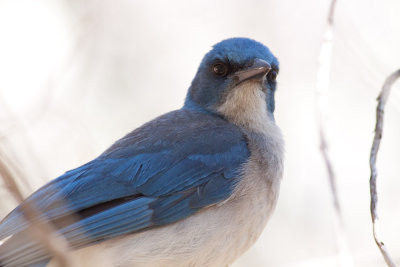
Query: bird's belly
215	236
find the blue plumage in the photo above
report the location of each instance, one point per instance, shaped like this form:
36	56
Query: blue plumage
164	171
169	172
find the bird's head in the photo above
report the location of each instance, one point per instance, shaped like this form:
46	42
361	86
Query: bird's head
237	80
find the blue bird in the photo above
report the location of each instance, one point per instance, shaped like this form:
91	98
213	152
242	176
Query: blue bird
193	187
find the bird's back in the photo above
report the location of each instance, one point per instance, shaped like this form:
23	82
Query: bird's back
166	170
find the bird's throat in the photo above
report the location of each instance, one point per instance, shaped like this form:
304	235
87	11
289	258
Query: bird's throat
246	107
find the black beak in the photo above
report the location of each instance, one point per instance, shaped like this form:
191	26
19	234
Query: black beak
256	71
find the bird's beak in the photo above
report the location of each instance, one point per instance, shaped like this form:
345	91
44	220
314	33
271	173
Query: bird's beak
256	71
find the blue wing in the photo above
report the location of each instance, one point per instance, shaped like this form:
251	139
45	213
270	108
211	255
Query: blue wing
160	173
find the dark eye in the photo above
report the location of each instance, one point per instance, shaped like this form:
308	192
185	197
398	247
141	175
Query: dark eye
220	69
272	75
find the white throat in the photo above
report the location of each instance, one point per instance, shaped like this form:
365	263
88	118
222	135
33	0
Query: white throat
246	106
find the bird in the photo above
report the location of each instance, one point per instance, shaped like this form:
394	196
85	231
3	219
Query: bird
193	187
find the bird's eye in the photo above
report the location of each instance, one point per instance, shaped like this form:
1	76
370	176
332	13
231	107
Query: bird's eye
272	75
220	69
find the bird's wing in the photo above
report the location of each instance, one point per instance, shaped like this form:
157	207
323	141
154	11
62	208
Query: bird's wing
162	172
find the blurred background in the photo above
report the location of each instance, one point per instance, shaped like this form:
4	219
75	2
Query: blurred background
76	75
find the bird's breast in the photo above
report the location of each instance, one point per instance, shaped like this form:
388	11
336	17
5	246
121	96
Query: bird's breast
257	192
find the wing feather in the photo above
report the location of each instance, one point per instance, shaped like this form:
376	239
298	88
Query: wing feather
164	171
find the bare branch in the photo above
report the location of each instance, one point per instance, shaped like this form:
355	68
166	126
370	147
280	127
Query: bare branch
41	230
382	99
322	89
331	12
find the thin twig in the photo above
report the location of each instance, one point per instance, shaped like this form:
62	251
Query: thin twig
331	12
382	99
322	88
41	230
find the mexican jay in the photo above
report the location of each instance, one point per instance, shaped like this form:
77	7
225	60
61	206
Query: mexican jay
193	187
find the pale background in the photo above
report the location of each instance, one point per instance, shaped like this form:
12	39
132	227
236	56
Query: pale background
77	75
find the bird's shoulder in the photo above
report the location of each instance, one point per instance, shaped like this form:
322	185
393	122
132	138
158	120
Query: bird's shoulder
184	130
